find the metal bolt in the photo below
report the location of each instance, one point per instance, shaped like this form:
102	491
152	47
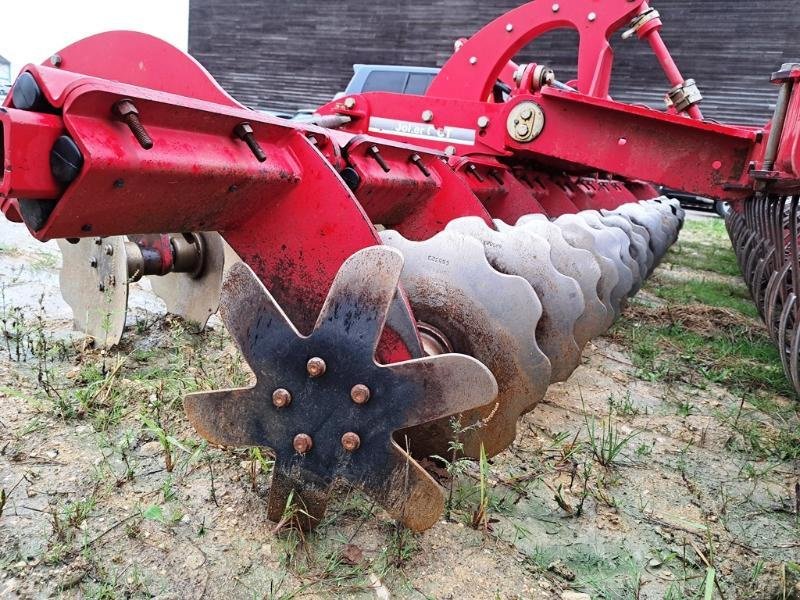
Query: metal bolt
281	398
351	441
316	367
527	114
509	28
417	160
127	112
483	122
592	16
474	170
101	287
109	250
473	60
427	116
375	153
93	262
495	174
56	60
556	8
522	130
360	393
349	103
450	150
98	241
302	443
244	131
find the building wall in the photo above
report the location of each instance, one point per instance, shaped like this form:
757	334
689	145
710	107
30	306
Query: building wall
289	55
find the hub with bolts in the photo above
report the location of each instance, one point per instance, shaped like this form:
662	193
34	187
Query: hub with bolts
338	419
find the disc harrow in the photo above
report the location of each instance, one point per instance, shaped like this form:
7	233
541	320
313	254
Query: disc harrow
185	271
406	261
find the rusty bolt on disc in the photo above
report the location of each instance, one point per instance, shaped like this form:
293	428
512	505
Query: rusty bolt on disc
302	443
316	367
281	398
351	441
359	393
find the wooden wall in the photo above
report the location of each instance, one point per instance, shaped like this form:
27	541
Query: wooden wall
289	55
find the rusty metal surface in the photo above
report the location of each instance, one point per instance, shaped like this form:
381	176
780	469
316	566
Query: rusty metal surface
94	282
485	314
345	336
195	296
528	255
578	264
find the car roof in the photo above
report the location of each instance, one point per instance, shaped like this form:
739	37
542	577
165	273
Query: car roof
396	68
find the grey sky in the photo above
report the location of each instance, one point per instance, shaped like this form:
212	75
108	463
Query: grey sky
30	31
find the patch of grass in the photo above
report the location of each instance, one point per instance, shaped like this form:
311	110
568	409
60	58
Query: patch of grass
710	293
704	246
664	348
607	442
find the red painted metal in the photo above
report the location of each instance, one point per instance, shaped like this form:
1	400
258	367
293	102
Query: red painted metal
651	31
471	72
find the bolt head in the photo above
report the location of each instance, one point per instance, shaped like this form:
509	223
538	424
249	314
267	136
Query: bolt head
592	16
93	262
98	241
522	130
427	116
483	122
123	108
281	398
509	28
450	150
56	60
349	103
473	60
101	287
360	393
527	114
351	441
316	367
242	130
302	443
109	250
556	8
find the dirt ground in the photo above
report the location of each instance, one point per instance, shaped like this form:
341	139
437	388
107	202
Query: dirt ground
666	467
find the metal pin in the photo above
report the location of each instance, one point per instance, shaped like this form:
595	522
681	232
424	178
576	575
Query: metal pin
244	131
417	160
127	112
474	170
375	153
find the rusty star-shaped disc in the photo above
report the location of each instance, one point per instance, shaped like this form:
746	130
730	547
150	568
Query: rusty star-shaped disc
322	403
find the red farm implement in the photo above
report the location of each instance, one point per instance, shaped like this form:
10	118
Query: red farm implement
404	258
